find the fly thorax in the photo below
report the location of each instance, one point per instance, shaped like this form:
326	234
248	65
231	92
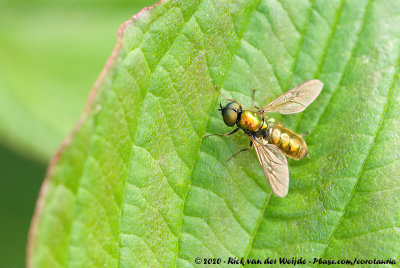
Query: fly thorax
250	120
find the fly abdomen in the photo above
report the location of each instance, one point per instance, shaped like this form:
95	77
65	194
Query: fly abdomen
290	143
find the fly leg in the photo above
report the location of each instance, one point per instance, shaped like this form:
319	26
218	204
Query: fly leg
220	92
305	134
245	149
224	135
253	99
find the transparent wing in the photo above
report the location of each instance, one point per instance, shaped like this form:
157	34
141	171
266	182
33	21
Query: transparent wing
274	166
296	99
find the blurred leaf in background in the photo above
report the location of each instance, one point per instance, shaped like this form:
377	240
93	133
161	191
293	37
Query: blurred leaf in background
51	53
19	185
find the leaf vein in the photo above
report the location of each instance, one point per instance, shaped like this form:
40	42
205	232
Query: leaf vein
373	144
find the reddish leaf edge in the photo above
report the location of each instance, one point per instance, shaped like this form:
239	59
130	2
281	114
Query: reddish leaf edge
65	143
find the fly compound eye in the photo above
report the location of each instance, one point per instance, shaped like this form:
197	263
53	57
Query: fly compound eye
230	117
230	113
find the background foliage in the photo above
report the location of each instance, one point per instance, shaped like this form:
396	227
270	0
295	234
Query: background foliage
51	52
138	185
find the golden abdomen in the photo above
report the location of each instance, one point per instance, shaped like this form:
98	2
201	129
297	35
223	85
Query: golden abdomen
290	143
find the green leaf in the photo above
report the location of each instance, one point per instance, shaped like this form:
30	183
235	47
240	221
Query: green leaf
138	186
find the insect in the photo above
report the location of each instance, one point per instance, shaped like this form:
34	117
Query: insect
272	141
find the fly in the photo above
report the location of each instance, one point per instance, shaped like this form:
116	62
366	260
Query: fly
272	141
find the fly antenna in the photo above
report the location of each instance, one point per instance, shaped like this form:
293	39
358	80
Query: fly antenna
220	92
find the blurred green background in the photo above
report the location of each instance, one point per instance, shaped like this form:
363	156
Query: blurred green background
51	52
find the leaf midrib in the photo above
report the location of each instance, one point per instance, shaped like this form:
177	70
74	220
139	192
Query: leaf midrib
208	120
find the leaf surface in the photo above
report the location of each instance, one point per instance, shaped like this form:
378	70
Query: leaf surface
137	186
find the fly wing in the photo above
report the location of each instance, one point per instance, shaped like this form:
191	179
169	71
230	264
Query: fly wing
274	166
296	99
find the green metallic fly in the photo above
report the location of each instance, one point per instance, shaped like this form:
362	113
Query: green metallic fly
272	141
